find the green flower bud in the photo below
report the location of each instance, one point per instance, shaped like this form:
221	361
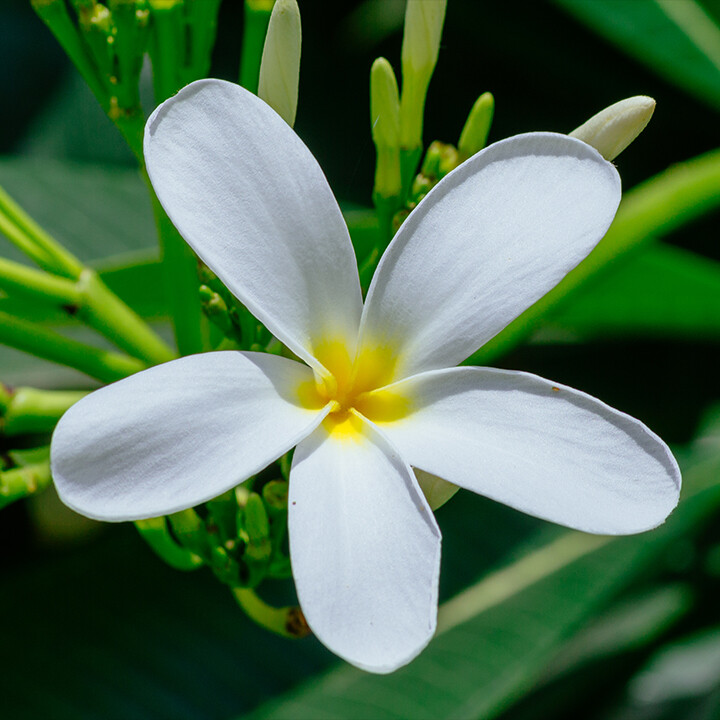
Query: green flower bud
257	527
280	65
385	124
474	135
615	127
421	42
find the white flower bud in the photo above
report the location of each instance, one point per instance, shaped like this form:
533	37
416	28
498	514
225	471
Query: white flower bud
421	43
615	127
280	65
385	124
384	104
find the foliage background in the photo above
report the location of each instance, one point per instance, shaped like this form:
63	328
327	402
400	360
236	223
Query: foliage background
96	627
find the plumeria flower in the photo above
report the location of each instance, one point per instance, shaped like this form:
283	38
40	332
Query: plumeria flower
375	409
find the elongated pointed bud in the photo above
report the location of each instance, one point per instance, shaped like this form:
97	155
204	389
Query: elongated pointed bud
615	127
421	43
474	135
385	124
280	65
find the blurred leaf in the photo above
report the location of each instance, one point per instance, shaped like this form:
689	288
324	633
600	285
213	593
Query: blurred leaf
661	291
498	636
677	39
680	682
690	666
109	631
73	126
94	211
601	657
632	623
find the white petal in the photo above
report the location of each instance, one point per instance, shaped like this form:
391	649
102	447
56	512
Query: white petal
251	200
487	242
365	549
178	434
537	446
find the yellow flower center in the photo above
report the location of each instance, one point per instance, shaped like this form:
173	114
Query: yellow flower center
354	387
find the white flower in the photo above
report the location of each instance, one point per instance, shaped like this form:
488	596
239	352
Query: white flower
489	240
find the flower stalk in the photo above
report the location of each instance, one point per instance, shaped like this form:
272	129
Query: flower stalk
76	289
286	621
180	270
421	43
29	410
33	338
157	535
17	483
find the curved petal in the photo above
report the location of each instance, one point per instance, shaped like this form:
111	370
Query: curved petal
251	200
178	434
364	546
537	446
487	242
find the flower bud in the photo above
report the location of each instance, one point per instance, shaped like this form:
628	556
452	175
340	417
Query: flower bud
615	127
385	124
280	65
421	42
474	134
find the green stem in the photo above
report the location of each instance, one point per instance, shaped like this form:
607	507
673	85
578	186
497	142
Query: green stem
37	340
201	18
131	125
54	14
649	211
35	242
182	283
37	285
21	482
91	300
157	535
256	21
100	308
28	410
409	160
286	621
167	47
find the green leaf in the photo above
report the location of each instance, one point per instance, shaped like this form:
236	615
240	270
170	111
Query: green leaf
679	682
94	211
678	39
662	291
496	637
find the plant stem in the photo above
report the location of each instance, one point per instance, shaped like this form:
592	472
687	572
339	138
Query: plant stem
54	14
28	410
33	338
182	283
79	290
157	535
100	308
37	285
285	621
23	481
201	18
649	211
35	242
167	47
